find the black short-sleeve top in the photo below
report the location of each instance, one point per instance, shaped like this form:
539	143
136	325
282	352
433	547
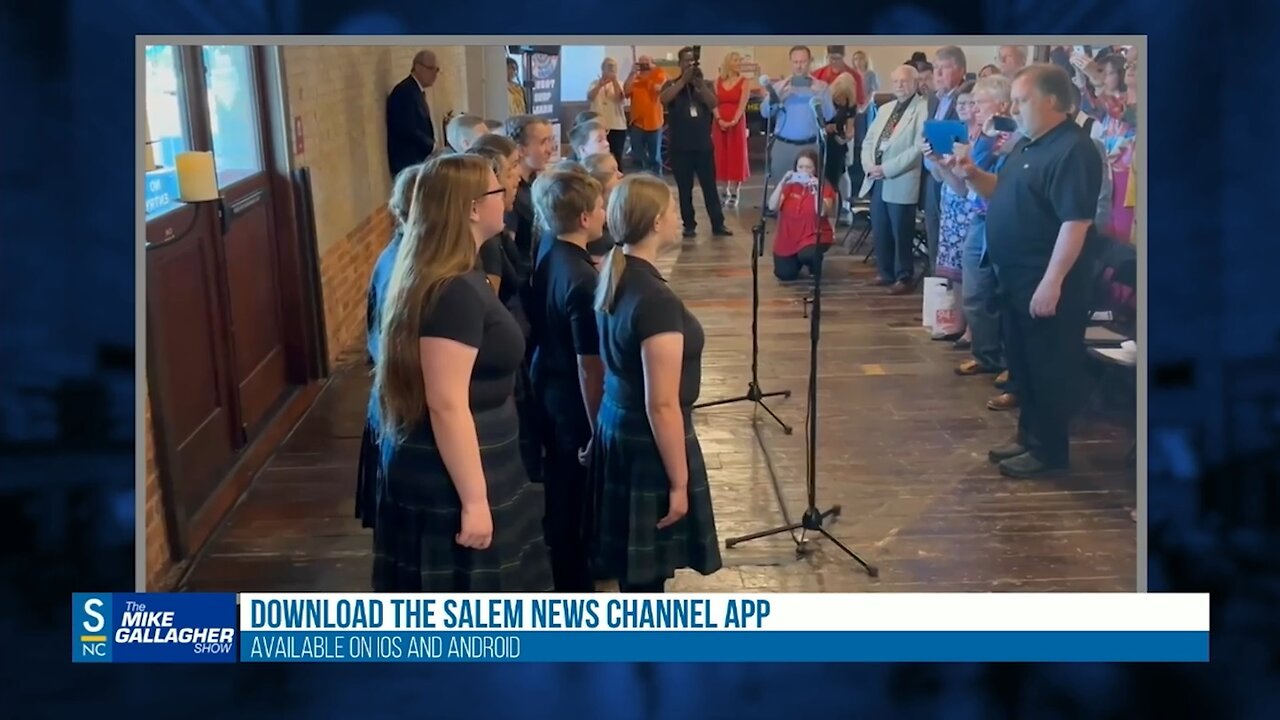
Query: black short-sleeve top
490	256
563	317
1043	183
643	307
467	311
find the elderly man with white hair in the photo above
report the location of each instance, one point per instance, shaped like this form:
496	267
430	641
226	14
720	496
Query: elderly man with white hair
891	157
463	131
1011	59
411	136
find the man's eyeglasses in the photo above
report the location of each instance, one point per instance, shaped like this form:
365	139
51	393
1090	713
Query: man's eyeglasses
428	67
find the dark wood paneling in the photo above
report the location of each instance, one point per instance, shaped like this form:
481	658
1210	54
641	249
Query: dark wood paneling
189	377
253	290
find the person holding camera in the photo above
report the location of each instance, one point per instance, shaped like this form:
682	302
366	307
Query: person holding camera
691	104
606	95
797	101
643	86
801	239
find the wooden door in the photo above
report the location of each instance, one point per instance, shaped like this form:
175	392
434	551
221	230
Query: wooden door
250	250
188	365
222	353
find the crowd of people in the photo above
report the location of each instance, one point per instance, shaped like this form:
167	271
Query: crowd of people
529	426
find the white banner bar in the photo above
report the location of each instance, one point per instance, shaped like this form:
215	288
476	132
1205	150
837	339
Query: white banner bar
953	612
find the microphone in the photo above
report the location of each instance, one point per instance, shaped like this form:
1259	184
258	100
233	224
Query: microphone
767	84
819	115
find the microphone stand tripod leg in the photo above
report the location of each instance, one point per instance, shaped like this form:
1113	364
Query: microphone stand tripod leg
753	394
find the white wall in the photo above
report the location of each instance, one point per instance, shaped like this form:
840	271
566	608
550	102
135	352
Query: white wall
580	64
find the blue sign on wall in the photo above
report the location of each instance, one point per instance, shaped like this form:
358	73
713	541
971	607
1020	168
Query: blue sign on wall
160	194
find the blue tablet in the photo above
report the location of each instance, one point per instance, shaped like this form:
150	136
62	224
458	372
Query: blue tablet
942	134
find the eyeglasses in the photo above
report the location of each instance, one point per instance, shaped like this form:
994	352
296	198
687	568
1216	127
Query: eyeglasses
492	192
428	67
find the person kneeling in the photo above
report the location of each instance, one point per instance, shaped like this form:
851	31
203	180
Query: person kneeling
801	240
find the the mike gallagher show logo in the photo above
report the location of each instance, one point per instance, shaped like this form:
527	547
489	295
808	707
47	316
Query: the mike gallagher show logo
146	628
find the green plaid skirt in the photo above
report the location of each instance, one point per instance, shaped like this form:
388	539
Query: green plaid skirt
630	492
419	515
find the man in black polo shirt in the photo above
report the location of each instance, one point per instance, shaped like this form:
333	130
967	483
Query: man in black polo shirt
1040	215
691	102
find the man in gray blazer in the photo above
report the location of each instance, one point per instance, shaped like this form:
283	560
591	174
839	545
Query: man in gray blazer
891	155
948	75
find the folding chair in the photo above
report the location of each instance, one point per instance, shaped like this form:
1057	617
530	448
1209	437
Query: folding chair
860	210
920	243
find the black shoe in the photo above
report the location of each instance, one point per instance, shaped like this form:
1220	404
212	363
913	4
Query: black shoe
690	232
1026	466
1004	452
722	232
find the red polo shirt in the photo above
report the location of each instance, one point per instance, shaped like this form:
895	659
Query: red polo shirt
797	216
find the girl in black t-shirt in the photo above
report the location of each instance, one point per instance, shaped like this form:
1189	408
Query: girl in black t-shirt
566	372
499	257
651	514
604	168
456	512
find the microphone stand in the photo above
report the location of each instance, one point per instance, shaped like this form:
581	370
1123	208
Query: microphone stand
754	394
813	519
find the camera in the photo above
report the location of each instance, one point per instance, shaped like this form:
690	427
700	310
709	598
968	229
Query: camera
695	55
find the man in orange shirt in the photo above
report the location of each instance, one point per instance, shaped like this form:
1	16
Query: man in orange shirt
644	85
836	67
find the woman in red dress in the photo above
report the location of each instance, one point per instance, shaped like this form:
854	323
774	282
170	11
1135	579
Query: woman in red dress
729	136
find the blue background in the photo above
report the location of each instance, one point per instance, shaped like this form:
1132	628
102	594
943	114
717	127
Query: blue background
67	164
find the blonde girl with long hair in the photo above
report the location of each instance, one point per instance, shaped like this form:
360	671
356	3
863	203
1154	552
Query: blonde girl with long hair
606	171
368	470
455	512
651	514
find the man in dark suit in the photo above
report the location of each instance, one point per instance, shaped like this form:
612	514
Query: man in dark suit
948	76
411	137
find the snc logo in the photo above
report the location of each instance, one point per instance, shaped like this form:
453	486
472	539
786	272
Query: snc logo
90	628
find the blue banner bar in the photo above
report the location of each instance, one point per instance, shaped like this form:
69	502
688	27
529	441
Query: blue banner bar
588	646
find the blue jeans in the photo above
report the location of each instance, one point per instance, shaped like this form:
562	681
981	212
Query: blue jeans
981	299
646	149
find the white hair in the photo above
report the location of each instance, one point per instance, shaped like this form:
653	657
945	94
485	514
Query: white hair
997	87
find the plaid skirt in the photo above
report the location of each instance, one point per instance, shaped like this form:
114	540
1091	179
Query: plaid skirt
419	515
630	493
530	425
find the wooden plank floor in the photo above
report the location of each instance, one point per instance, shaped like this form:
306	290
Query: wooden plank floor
902	447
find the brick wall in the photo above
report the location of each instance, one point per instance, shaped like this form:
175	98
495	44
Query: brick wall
339	93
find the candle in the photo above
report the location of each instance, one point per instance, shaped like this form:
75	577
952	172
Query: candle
197	180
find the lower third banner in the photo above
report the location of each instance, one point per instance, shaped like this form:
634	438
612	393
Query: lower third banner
730	646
